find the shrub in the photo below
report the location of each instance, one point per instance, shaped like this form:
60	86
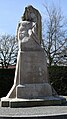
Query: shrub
6	81
58	78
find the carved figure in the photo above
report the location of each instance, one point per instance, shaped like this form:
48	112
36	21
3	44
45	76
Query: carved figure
32	15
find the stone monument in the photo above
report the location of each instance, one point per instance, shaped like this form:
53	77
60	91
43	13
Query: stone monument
31	85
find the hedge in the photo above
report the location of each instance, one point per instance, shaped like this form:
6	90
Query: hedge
6	81
57	77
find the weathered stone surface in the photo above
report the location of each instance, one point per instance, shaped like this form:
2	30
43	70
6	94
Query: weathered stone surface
32	71
33	91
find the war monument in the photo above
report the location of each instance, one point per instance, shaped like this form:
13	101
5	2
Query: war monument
31	85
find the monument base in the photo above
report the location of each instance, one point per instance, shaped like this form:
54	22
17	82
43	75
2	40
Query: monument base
18	102
33	91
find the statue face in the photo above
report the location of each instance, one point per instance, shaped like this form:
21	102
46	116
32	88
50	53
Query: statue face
23	29
31	17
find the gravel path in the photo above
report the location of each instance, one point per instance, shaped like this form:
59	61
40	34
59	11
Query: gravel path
33	111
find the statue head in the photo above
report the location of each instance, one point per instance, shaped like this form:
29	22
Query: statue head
29	14
25	26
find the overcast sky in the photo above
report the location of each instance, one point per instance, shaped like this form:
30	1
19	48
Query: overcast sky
11	11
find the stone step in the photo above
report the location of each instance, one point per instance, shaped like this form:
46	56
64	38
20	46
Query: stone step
19	102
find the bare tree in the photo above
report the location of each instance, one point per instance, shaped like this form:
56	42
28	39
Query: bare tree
8	50
62	58
54	35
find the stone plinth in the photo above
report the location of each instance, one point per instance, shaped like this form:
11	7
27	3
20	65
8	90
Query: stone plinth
33	91
45	101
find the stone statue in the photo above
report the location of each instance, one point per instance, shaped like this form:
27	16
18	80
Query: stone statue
32	15
25	29
31	85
